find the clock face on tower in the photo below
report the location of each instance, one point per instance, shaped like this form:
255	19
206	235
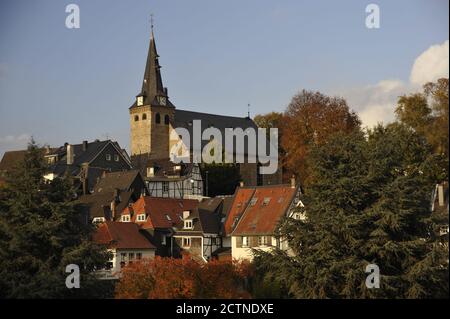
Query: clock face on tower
162	100
140	100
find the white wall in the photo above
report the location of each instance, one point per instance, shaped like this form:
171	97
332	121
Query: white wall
246	252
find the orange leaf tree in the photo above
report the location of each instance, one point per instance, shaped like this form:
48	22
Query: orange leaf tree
167	278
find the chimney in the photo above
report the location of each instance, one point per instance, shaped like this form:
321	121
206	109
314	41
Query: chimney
166	92
69	154
85	146
441	195
113	209
186	214
293	185
241	183
85	178
117	194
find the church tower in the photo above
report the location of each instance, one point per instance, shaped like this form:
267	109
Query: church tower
151	114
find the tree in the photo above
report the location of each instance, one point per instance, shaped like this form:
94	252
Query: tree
427	114
183	278
311	119
275	120
369	203
221	178
41	232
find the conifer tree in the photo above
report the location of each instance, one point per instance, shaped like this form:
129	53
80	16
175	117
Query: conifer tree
41	232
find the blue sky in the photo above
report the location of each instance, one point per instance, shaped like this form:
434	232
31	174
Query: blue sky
66	85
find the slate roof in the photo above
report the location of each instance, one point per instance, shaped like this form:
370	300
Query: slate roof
99	205
121	236
121	180
261	209
185	119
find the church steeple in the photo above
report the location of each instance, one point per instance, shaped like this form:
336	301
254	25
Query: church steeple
153	92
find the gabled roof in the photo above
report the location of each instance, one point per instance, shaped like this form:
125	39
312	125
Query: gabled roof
184	119
121	236
240	200
162	212
11	158
99	205
261	211
121	180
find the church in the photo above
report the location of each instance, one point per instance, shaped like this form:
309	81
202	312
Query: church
153	119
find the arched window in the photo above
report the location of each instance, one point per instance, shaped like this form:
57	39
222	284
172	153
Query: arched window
157	118
144	116
136	118
166	119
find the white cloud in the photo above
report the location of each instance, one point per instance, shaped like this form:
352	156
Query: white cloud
11	142
377	103
431	65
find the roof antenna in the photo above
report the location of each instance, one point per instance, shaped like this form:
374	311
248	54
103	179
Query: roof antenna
151	22
248	110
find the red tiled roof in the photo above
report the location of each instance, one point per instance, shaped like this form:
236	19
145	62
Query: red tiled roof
162	212
263	210
241	199
121	235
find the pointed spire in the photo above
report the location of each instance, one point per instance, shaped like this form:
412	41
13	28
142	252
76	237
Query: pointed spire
152	84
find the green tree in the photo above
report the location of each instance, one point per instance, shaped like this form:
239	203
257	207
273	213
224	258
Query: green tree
41	232
222	178
369	203
427	114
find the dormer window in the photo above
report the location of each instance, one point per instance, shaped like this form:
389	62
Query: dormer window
150	171
108	157
125	218
188	224
141	218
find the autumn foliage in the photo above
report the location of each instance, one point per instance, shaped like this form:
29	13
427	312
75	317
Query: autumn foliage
170	278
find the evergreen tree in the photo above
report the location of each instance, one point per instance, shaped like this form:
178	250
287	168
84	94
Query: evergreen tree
41	232
369	204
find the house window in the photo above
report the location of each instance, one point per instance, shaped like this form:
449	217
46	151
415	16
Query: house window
253	201
157	118
141	218
138	256
264	240
213	240
98	220
116	157
186	241
166	119
150	171
266	201
125	218
123	257
188	224
130	256
165	187
163	239
244	241
108	157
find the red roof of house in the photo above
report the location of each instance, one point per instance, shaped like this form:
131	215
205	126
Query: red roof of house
161	212
121	235
241	199
262	210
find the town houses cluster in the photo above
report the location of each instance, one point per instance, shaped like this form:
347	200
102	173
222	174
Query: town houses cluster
145	203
